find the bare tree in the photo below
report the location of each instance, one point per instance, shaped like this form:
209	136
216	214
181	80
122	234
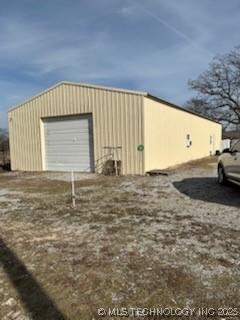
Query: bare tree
4	146
218	90
199	105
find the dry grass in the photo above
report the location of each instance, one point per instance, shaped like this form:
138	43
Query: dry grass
131	241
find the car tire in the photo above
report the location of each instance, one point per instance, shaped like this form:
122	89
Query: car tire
221	175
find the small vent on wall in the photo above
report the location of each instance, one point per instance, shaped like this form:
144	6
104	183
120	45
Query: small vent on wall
188	141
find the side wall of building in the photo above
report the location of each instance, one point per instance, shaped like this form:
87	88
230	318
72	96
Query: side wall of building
173	136
117	121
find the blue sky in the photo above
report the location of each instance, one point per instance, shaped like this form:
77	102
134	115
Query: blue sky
150	45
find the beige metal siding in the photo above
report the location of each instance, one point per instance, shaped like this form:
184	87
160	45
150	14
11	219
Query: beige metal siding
117	121
165	131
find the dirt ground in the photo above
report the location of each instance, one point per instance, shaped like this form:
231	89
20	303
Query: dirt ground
171	241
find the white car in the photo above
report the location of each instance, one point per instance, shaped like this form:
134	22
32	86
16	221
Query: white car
229	165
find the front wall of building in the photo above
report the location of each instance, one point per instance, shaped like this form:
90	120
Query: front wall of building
166	134
117	121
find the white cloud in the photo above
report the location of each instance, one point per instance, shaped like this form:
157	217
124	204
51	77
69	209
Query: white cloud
155	45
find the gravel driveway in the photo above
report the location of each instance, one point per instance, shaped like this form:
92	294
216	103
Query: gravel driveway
170	241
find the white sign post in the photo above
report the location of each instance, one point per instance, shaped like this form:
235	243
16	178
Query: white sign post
73	191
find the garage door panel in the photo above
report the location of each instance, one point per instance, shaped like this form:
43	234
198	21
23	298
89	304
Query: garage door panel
68	150
59	135
69	130
73	138
64	167
68	143
64	159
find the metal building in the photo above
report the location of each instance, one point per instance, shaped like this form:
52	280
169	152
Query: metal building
71	126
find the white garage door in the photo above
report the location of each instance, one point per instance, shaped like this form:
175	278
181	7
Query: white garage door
68	143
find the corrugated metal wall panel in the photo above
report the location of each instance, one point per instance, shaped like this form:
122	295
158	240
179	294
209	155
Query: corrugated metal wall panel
117	121
166	129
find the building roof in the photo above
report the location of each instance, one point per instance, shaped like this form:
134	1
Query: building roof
170	104
142	93
234	134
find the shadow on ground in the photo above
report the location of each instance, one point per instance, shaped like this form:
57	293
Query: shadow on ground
36	302
208	189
